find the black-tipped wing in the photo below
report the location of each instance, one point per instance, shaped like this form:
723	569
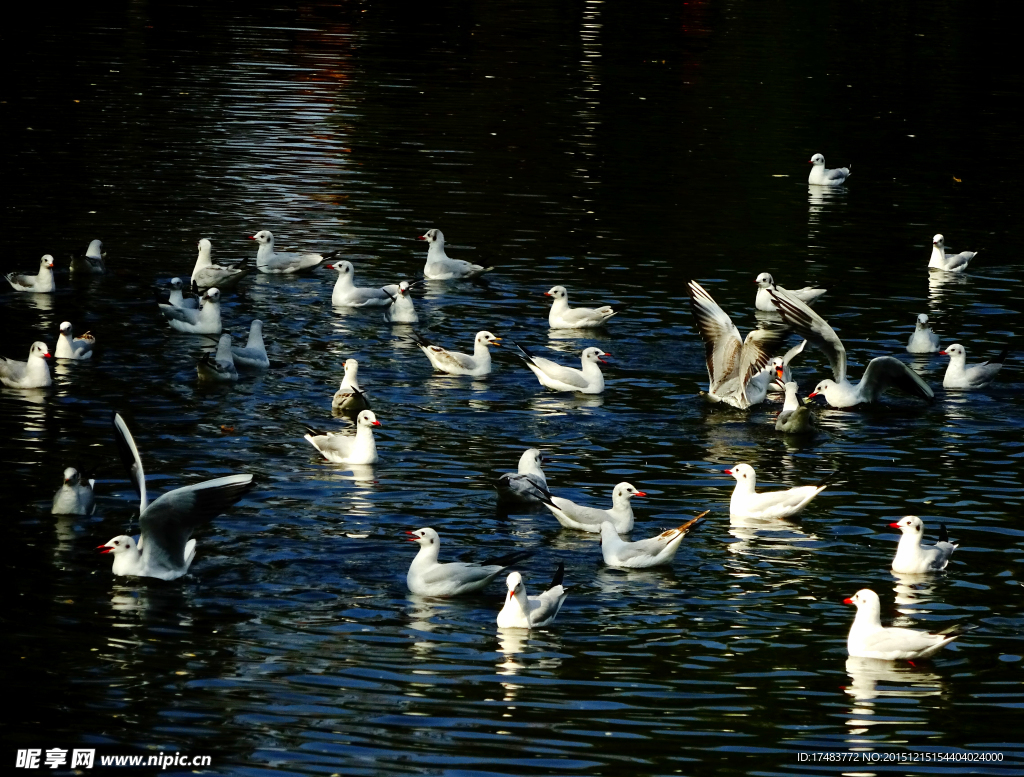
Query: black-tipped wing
508	559
943	534
886	372
130	456
722	342
812	326
559	574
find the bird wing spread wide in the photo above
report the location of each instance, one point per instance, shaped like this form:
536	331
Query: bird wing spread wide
889	372
812	326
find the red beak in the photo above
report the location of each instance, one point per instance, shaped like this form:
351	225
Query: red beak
727	471
778	371
894	526
414	537
46	355
812	394
810	161
252	237
422	237
103	549
847	601
329	266
943	353
640	493
375	423
547	293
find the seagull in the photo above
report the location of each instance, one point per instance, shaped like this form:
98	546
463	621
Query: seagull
940	260
589	519
206	274
455	363
346	449
254	355
868	638
205	321
527	612
350	395
69	347
924	340
738	371
822	176
796	417
347	295
92	262
218	367
440	267
177	299
164	549
75	496
40	282
587	380
763	300
882	372
780	367
402	311
528	484
655	552
914	559
561	316
269	261
26	375
960	376
428	577
747	503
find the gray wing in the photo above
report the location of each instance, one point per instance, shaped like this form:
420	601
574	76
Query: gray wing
897	639
722	343
130	457
837	174
453	358
812	326
756	351
12	369
889	372
188	315
957	261
556	371
793	352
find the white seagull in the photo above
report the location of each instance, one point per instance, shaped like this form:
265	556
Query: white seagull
440	267
923	340
587	380
914	559
763	300
561	316
270	261
348	449
823	176
940	260
71	347
165	549
40	282
429	577
527	612
402	311
869	639
254	355
528	484
177	299
350	395
75	496
455	363
655	552
218	367
347	295
589	519
960	376
795	417
205	321
747	503
780	368
92	262
206	274
33	373
738	370
882	372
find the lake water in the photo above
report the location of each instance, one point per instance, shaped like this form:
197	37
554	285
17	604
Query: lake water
620	150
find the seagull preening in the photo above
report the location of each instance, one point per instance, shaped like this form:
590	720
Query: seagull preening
561	316
402	311
940	260
429	577
823	176
347	295
204	321
763	300
339	448
587	380
882	372
747	503
350	396
869	639
206	274
528	484
795	417
643	554
92	262
923	340
34	373
455	363
960	376
738	370
71	347
175	297
254	355
441	267
527	612
589	519
40	282
165	549
913	558
270	261
75	496
218	367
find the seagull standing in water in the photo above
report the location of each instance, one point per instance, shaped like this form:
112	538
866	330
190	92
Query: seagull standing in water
747	503
206	274
454	363
869	639
71	347
940	260
960	376
92	262
440	267
589	519
41	282
429	577
823	176
561	316
912	558
75	496
348	449
33	373
526	612
587	380
923	340
276	263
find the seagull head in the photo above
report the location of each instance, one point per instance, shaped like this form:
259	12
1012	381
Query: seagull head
486	338
403	288
765	281
176	284
432	236
865	598
516	589
40	350
264	237
367	418
909	524
922	319
343	268
212	295
823	388
530	461
594	355
65	328
954	350
95	249
742	472
71	477
205	245
624	492
424	537
817	159
351	368
558	292
120	544
47	261
938	240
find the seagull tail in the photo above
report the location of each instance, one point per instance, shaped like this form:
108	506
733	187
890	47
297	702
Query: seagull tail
825	480
559	574
943	534
523	354
692	523
313	431
1001	357
507	560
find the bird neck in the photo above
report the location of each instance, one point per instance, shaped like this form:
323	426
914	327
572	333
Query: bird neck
255	339
428	554
481	351
203	260
560	305
344	282
745	486
436	252
791	403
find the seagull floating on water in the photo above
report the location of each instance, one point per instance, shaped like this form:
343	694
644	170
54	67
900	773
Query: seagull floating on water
350	395
33	373
587	380
527	612
254	355
912	558
455	363
561	316
75	496
823	176
206	274
218	367
270	261
177	299
70	347
589	519
429	577
348	449
747	503
763	300
402	311
528	484
643	554
795	417
869	639
205	321
440	267
923	340
347	295
940	260
92	262
960	376
40	282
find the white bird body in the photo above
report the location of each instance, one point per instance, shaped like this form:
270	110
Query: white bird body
207	275
71	347
823	176
763	300
455	363
75	496
41	282
350	395
270	261
218	367
587	380
923	340
30	374
440	267
175	298
747	503
92	262
204	321
529	483
960	376
869	639
347	295
561	316
940	260
429	577
589	519
348	449
643	554
912	558
795	417
526	612
402	310
254	355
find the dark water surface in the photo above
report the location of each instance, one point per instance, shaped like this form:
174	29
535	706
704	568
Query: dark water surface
618	149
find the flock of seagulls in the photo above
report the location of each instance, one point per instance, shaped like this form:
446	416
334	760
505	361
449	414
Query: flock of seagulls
741	371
